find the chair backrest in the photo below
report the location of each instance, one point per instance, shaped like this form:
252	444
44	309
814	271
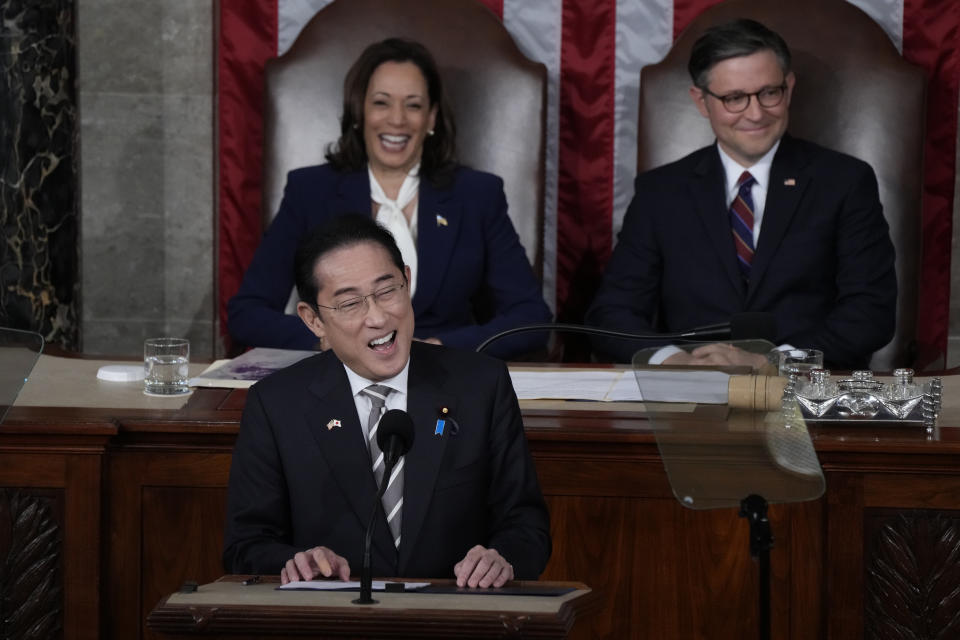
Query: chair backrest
498	96
854	93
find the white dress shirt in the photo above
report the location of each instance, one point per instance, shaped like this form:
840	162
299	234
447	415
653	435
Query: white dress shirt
396	400
732	170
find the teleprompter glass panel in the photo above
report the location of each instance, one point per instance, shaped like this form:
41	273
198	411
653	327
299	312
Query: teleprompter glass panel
19	351
716	458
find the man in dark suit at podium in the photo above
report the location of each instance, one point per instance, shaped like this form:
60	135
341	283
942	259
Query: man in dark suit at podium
758	222
464	501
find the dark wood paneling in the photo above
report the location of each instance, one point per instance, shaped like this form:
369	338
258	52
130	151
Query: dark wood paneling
912	585
806	578
31	571
67	475
844	539
166	526
182	540
143	498
589	533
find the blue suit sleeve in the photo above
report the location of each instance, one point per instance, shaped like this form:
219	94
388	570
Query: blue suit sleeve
513	289
255	315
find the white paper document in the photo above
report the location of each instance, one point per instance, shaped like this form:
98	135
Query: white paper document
244	370
340	585
671	385
613	385
566	385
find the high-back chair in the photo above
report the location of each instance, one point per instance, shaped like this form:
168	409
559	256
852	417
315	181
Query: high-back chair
496	93
854	93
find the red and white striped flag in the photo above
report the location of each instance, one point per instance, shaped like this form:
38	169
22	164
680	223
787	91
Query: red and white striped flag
593	51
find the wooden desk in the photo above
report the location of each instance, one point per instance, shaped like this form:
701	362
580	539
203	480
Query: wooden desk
133	500
226	609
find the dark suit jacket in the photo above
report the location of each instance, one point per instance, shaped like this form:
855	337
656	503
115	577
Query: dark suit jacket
296	482
824	263
470	258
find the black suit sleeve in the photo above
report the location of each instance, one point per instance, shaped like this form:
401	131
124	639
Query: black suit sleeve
629	295
863	315
258	530
519	523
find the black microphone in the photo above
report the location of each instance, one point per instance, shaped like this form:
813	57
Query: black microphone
751	324
394	437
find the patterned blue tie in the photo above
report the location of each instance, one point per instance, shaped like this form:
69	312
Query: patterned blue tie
741	223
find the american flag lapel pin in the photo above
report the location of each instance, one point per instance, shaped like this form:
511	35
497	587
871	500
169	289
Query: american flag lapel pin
333	423
441	221
790	182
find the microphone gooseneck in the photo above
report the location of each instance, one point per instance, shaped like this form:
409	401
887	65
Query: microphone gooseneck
753	324
394	437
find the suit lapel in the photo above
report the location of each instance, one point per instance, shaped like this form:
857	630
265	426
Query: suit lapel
709	197
343	447
353	194
788	181
426	396
439	216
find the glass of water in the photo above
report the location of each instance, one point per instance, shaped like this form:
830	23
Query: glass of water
165	363
800	361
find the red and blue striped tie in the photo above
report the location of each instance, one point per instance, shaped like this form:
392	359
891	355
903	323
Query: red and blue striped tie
741	222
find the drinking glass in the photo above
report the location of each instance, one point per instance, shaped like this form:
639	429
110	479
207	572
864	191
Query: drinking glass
800	361
165	364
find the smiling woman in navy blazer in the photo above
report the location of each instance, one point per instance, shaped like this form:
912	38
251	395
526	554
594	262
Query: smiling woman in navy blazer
472	277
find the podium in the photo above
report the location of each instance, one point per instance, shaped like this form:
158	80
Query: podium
229	609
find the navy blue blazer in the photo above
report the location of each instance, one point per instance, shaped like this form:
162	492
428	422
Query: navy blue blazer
296	482
824	263
470	261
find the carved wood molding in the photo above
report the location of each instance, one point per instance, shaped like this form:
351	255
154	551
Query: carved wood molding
31	584
912	586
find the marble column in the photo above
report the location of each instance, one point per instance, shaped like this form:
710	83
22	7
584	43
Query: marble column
39	271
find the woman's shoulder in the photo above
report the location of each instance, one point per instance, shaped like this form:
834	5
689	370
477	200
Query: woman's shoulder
313	173
316	180
465	178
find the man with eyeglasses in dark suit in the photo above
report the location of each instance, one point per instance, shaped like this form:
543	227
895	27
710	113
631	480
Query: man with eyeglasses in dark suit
757	222
463	502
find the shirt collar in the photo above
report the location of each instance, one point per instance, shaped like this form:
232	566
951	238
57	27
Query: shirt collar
759	170
358	383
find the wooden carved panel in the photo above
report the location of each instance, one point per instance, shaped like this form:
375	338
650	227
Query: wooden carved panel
912	562
31	582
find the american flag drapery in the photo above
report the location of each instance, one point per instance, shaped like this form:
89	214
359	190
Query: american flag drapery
593	51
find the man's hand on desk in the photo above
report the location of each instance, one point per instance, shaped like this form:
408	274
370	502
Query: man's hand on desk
308	564
483	568
718	354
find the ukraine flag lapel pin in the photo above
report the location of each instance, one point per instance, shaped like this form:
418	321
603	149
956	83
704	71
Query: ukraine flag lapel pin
441	221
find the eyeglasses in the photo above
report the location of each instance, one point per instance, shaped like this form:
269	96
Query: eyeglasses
738	101
353	307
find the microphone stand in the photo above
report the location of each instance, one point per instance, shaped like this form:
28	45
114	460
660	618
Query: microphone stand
754	509
366	572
